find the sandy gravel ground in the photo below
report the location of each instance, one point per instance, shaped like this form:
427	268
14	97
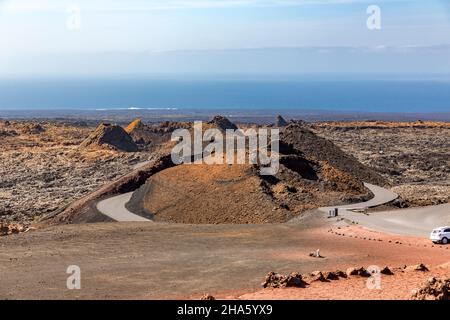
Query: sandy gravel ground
164	261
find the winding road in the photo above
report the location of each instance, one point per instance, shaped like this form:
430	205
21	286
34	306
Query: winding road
411	221
381	196
114	208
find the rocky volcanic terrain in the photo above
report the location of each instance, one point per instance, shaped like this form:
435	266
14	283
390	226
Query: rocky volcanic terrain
47	165
414	157
43	167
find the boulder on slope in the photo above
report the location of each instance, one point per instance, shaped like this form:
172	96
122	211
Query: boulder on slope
111	137
280	122
223	123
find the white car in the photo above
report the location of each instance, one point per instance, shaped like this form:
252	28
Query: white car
440	235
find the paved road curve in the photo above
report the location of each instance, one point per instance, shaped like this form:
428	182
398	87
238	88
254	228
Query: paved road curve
114	208
381	196
411	221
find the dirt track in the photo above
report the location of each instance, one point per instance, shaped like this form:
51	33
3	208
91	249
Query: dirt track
135	260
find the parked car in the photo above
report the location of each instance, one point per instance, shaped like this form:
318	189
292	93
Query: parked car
440	235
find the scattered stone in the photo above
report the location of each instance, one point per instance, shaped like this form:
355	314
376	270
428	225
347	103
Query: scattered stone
387	271
340	274
361	271
330	275
417	267
316	276
433	289
399	203
207	297
276	280
12	228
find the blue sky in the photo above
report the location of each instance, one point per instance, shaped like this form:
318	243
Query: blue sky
166	36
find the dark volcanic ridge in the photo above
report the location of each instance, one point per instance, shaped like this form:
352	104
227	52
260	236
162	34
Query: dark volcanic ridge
223	123
110	136
297	139
280	122
147	135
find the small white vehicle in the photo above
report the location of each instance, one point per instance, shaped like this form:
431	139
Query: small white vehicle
440	235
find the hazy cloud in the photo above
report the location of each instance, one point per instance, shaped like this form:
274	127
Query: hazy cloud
142	5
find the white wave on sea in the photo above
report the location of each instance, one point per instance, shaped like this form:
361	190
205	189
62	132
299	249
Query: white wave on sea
135	108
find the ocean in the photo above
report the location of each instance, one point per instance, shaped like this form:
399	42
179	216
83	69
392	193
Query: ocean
353	95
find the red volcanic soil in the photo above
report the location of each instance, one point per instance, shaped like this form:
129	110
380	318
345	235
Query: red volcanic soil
399	286
396	252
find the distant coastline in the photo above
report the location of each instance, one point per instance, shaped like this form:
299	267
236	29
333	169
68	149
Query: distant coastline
261	116
183	94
